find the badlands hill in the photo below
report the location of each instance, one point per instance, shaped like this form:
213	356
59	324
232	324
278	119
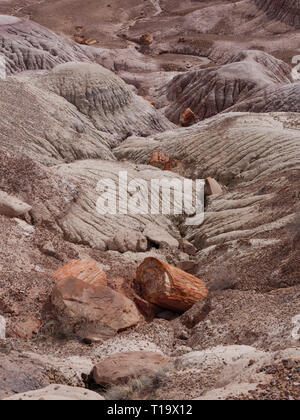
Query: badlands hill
200	90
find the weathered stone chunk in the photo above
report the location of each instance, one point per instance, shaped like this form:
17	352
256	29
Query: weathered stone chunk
187	118
159	160
146	39
128	241
160	236
122	367
86	270
11	206
92	311
212	187
26	329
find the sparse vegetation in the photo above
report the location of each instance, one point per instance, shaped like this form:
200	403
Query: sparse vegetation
143	388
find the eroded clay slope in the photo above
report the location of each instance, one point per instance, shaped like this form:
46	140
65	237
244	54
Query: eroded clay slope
208	92
257	157
105	99
28	46
46	127
271	99
84	224
76	111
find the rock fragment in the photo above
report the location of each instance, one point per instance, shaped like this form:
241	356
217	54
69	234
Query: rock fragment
160	236
26	329
11	206
212	187
187	118
187	247
159	160
127	240
92	311
86	270
146	39
120	368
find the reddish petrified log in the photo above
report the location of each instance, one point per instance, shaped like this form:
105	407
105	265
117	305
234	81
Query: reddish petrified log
146	39
168	286
86	270
187	118
159	160
149	100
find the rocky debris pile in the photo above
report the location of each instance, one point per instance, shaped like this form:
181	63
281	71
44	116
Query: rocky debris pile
212	321
284	385
81	38
120	368
87	305
28	46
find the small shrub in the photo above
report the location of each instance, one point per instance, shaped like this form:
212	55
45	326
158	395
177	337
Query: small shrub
142	388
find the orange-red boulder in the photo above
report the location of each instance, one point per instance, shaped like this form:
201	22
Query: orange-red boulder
92	311
85	305
86	270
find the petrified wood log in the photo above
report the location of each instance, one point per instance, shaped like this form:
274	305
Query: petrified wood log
168	286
